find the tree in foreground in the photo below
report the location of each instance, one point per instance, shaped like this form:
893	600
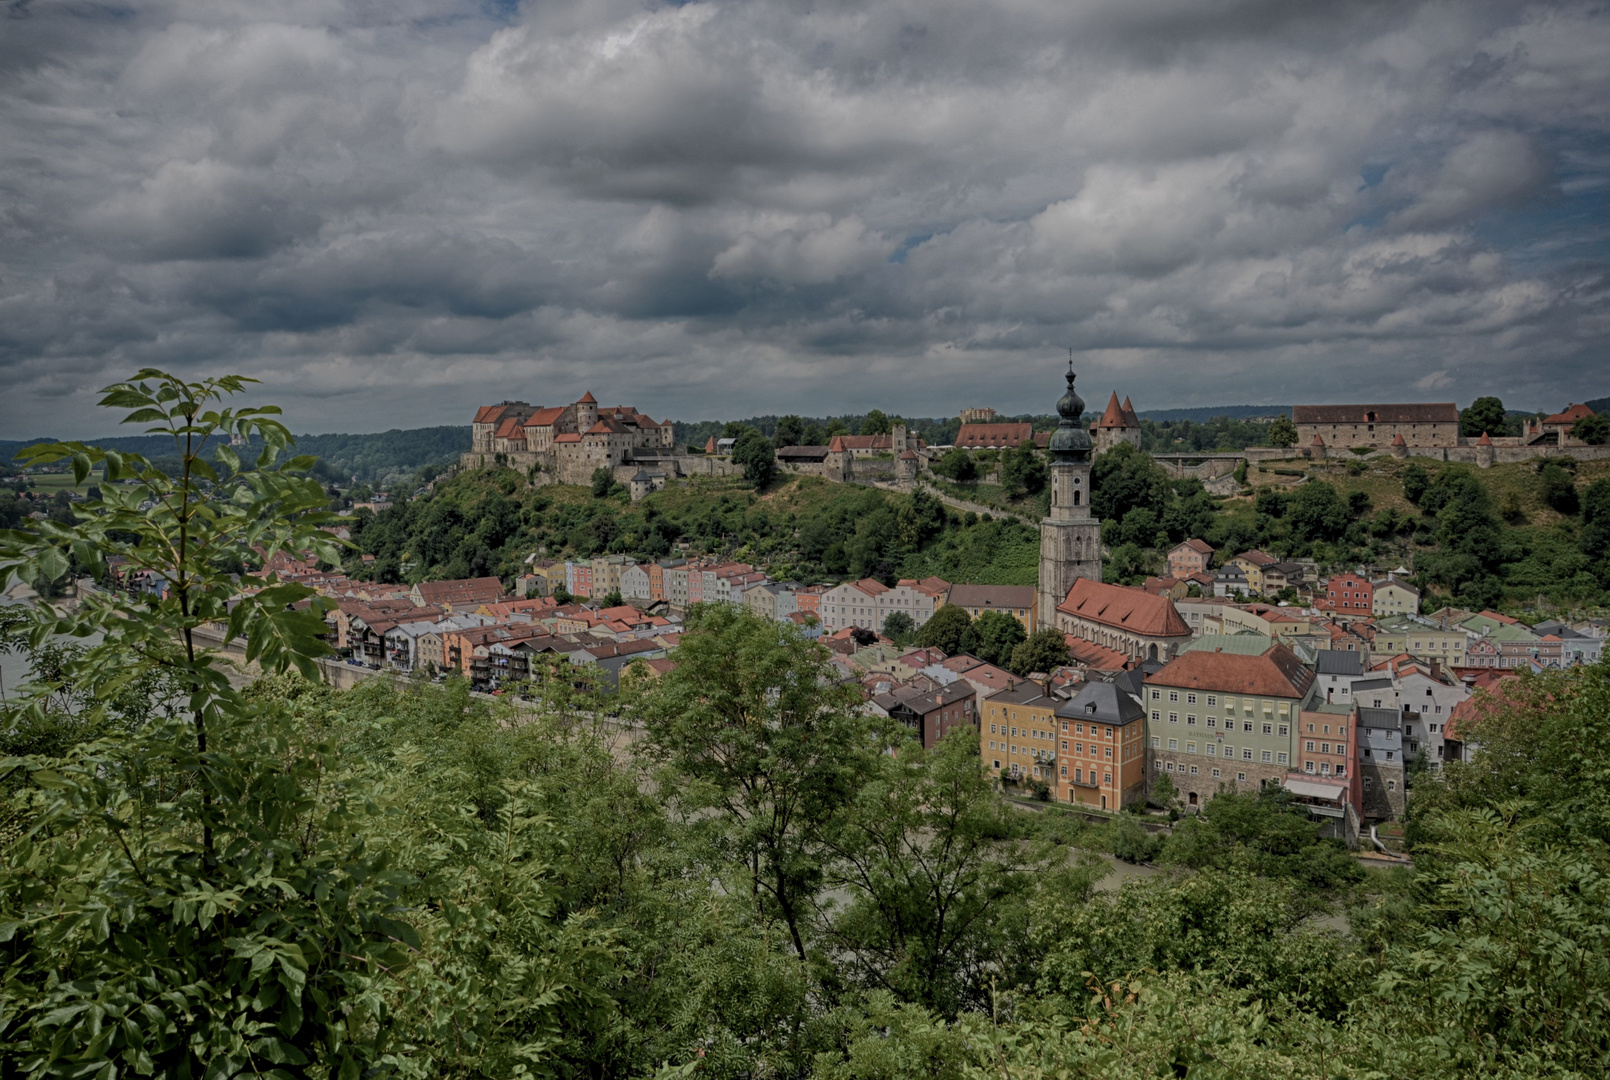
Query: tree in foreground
1593	429
1044	650
178	900
762	747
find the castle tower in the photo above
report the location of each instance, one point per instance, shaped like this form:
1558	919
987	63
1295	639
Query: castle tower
586	413
1070	538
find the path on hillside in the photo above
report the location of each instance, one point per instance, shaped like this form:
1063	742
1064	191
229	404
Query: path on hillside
954	503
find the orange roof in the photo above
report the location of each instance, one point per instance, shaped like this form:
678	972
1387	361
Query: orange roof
1485	440
1198	545
545	417
871	586
1095	656
1113	416
987	436
1129	414
835	447
588	399
1397	440
606	427
568	437
1276	673
510	428
488	414
1134	610
1570	416
1321	442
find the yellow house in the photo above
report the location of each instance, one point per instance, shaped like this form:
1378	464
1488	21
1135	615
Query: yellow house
1251	563
1017	733
1017	601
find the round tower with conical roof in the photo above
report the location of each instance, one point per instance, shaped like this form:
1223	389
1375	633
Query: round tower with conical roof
1070	536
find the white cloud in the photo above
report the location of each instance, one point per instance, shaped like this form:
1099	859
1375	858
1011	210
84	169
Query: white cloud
724	205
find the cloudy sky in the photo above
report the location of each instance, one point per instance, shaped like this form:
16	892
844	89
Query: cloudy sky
391	210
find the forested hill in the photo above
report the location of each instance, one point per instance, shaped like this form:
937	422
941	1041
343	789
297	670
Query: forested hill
378	459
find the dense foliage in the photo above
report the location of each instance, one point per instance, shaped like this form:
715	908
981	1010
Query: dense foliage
724	871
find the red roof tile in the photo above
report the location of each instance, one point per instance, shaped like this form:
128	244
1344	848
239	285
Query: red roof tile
1123	608
999	436
1440	412
1276	673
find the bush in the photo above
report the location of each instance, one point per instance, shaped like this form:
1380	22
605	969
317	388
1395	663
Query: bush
1132	843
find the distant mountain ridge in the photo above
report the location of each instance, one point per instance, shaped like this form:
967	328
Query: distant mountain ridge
385	457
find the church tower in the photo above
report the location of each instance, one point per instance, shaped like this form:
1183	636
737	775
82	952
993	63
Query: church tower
1070	538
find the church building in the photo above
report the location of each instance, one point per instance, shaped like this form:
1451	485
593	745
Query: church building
1070	536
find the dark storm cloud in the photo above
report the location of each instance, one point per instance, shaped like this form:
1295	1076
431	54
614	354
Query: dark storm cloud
391	212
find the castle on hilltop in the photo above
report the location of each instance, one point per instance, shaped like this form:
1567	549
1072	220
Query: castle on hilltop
568	442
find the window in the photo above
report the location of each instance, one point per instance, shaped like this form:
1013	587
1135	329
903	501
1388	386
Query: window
1154	742
1241	777
1268	729
1190	748
1246	725
1193	770
1308	766
1156	715
1173	744
1170	766
1212	700
1267	755
1282	758
1173	717
1157	695
1212	721
1391	785
1246	753
1190	699
1215	773
1064	745
992	726
1190	719
1341	770
1158	765
1283	730
1369	782
1173	695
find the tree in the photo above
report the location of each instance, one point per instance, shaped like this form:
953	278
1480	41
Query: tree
239	855
790	431
1557	488
1044	650
876	423
1593	430
1415	482
1595	540
562	595
1282	432
1124	479
756	730
992	637
603	482
758	457
612	598
944	629
935	865
1486	415
1024	471
958	465
899	628
1317	512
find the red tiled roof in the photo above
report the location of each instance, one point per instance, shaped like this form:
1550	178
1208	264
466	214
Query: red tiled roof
1485	440
1199	545
1258	558
1276	673
1129	414
1113	416
987	436
1097	657
1134	610
1416	413
588	399
835	447
997	597
545	417
568	437
1397	440
607	427
1570	416
509	428
488	414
